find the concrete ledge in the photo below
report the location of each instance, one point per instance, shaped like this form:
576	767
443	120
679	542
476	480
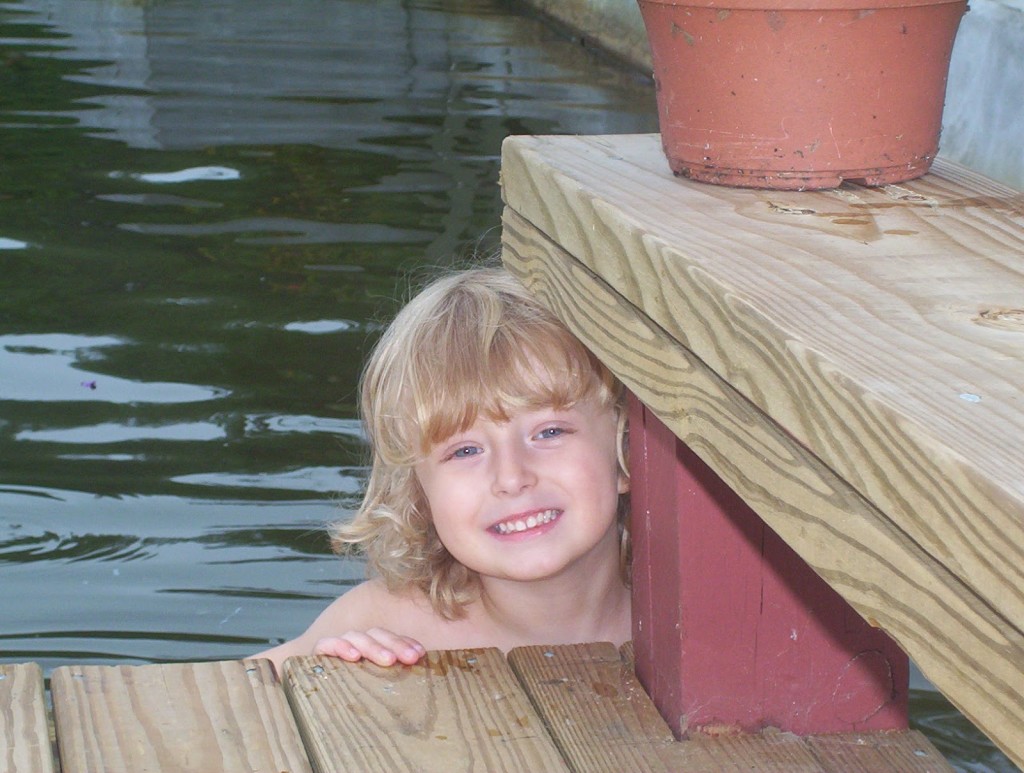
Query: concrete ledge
612	25
983	124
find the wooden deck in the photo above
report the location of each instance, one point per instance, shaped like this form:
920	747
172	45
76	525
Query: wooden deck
850	362
569	708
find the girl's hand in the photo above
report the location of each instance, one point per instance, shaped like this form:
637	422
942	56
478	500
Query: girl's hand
376	645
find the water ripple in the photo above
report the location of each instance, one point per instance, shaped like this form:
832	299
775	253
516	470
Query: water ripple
328	480
49	546
50	368
192	174
158	200
290	230
120	433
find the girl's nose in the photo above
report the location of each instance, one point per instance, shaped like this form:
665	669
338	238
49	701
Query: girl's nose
513	472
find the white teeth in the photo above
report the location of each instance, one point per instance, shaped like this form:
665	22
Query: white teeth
531	522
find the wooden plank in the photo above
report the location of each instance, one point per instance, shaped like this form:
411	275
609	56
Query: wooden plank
223	716
789	654
459	710
628	654
772	752
907	752
882	328
594	707
602	720
24	735
970	652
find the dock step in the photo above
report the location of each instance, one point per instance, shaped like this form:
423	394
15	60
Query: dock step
576	708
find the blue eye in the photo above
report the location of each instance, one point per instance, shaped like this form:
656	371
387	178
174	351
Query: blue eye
550	432
465	451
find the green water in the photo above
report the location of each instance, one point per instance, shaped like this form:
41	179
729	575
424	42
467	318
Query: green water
206	208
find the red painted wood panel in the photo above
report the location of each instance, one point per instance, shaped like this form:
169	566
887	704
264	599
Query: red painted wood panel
732	629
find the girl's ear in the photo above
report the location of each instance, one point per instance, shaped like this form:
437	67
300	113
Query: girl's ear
622	448
623	483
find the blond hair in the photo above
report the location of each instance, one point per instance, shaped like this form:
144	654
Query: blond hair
471	344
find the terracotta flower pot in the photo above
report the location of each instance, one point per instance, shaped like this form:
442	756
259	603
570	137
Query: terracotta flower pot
800	94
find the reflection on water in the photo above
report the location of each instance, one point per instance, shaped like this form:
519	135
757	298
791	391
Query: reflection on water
182	176
958	740
206	208
54	367
146	578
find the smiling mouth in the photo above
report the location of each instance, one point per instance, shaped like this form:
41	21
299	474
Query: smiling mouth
524	524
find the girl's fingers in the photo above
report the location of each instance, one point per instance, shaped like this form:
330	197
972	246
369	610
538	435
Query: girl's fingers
376	645
406	649
338	647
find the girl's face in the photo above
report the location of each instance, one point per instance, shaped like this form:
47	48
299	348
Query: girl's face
531	498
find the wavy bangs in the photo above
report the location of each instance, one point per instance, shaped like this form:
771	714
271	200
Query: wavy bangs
480	348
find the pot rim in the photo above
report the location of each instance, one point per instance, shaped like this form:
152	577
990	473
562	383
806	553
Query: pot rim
800	5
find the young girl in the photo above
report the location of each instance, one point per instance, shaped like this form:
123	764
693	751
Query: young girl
495	510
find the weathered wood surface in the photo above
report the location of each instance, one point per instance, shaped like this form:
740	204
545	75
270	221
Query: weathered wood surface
227	717
906	752
459	710
849	361
604	722
463	710
594	707
24	736
969	651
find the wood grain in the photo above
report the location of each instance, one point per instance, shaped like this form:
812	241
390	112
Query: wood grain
971	651
225	717
201	717
24	736
882	328
455	711
905	751
602	720
594	707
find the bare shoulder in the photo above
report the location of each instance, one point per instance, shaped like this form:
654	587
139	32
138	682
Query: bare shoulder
371	604
368	605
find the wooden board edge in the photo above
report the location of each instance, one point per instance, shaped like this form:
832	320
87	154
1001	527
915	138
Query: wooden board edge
947	503
593	706
24	729
981	675
361	699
